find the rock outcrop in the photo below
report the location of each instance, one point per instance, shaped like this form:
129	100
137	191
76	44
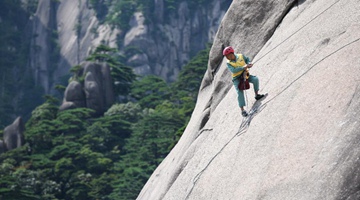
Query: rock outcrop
40	51
70	30
96	92
303	140
13	135
74	96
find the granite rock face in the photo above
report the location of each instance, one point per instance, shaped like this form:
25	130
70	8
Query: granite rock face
170	41
303	141
96	92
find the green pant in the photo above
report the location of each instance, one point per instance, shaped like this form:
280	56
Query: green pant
241	99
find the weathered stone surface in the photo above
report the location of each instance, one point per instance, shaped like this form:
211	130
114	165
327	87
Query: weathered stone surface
93	93
79	32
159	10
66	105
304	141
74	96
41	23
14	134
107	86
138	59
168	41
96	92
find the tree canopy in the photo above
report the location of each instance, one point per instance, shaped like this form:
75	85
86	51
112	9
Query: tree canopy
71	155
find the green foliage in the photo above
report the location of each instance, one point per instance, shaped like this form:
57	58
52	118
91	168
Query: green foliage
150	91
76	70
121	13
70	155
190	77
41	125
73	120
101	186
122	75
63	145
30	6
60	88
170	6
104	53
92	160
101	7
16	181
129	111
107	136
64	166
150	142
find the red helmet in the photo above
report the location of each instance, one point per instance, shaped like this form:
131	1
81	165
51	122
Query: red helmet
228	50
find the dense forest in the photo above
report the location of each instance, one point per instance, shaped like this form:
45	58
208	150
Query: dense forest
71	154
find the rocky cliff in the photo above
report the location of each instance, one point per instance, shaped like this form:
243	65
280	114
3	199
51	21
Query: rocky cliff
64	33
302	141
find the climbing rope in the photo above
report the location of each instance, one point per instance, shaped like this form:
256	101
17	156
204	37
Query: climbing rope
310	68
246	99
257	108
296	31
243	128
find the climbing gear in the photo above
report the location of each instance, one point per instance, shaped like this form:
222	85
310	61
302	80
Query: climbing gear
240	62
244	113
243	82
246	121
259	96
228	50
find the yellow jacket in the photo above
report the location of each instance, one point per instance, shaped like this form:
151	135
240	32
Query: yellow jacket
237	66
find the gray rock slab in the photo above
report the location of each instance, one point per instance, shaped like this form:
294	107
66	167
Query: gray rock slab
303	143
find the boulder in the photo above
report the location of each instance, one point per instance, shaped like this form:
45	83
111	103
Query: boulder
95	93
186	29
94	98
74	45
107	85
14	134
74	96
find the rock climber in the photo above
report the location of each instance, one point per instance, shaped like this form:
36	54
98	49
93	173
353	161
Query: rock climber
238	64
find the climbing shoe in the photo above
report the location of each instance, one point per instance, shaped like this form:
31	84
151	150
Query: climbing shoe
259	96
244	113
